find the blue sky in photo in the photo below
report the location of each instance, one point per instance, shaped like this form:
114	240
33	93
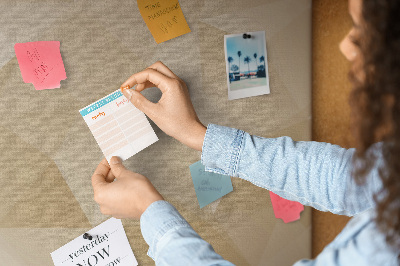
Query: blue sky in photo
248	47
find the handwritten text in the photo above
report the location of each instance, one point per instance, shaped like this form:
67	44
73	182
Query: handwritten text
100	114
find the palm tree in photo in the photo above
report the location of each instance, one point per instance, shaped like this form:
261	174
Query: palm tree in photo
239	54
255	58
234	68
262	59
230	59
247	60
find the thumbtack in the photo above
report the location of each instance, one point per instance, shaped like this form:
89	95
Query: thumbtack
246	36
87	236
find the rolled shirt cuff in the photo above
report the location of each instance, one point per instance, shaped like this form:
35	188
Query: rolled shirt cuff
221	151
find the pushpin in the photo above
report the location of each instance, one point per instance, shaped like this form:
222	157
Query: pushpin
87	236
246	36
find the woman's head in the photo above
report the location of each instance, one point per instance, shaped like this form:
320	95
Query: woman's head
373	48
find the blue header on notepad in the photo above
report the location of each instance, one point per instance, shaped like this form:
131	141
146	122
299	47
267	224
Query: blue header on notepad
101	103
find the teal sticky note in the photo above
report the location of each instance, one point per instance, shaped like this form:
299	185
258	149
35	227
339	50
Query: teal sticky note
209	186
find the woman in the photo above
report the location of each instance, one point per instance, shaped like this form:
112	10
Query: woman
317	174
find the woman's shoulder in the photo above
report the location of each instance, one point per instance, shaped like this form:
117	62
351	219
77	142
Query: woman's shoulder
362	240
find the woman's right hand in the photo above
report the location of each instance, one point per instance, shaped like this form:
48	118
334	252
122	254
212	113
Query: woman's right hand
174	112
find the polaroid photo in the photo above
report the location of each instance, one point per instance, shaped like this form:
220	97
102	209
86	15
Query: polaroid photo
246	65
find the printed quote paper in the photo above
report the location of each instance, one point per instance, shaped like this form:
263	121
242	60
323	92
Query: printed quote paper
109	246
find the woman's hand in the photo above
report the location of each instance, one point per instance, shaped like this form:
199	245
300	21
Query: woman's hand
127	197
173	113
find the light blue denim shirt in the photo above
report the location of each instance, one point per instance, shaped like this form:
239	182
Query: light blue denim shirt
312	173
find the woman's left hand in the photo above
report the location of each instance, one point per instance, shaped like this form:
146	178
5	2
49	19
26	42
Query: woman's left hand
127	197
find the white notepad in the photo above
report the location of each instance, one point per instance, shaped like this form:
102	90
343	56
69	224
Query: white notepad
119	128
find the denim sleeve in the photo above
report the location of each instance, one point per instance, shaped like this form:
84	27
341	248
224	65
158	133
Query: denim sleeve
172	241
312	173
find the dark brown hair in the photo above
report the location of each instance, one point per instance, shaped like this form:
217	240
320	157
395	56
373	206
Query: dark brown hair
376	107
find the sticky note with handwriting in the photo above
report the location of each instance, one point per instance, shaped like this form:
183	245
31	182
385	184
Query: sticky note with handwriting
284	209
119	128
164	19
209	186
108	246
41	63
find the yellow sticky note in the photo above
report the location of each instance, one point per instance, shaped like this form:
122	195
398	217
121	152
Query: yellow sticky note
164	18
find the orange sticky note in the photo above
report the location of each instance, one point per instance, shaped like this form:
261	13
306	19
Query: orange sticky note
284	209
41	63
164	19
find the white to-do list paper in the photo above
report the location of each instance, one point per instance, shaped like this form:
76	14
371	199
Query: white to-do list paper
108	246
119	128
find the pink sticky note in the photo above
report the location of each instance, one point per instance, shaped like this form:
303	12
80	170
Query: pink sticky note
284	209
41	63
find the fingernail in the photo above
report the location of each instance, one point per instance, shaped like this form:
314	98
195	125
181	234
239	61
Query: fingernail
125	88
115	160
129	92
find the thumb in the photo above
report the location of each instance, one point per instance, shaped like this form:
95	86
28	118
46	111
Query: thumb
99	176
117	167
139	101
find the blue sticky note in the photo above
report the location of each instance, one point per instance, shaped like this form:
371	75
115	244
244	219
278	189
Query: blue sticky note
209	186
